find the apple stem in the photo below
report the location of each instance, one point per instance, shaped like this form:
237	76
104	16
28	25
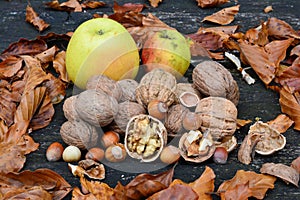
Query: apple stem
100	32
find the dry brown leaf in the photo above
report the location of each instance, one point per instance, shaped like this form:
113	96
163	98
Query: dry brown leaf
280	29
290	76
59	64
296	51
128	7
7	106
281	123
154	3
211	3
239	192
24	47
290	105
204	185
209	40
268	9
286	173
56	88
258	184
258	58
38	183
242	122
258	36
92	4
73	4
10	67
33	18
128	19
47	56
224	16
296	164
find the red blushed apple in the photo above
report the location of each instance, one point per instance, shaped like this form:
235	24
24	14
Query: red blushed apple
101	46
167	49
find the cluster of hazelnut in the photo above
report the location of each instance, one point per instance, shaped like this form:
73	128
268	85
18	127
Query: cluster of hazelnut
139	118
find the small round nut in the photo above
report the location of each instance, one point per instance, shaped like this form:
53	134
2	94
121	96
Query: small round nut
115	153
96	154
71	154
220	156
54	152
170	154
109	138
157	109
191	121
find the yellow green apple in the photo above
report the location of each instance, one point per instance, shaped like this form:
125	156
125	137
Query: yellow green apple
101	46
167	49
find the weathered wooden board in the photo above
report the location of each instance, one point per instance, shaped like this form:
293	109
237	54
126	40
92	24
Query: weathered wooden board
255	100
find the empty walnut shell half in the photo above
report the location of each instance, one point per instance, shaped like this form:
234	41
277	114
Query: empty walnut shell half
185	87
213	79
218	115
145	138
270	141
157	84
196	147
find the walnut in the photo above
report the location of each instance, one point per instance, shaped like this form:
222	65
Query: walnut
174	118
157	84
69	109
126	111
96	107
79	133
218	115
128	87
106	85
213	79
145	138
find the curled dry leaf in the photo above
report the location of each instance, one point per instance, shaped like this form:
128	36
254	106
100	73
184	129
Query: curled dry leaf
280	29
224	16
242	122
256	185
211	3
128	7
47	56
25	47
33	18
59	64
10	67
281	123
56	89
289	102
154	3
28	184
258	35
286	173
296	164
89	168
8	106
92	4
291	76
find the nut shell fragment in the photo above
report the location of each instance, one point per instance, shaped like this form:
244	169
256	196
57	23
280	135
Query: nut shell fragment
145	138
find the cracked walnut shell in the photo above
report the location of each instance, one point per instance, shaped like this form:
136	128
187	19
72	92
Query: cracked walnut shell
218	115
156	84
213	79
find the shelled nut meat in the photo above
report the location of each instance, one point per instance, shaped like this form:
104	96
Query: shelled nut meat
145	138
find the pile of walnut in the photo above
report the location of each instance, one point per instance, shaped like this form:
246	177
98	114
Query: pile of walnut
136	119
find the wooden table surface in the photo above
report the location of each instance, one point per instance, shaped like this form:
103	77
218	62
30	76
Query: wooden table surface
255	100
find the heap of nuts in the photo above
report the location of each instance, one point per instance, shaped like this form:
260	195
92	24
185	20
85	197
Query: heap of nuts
133	118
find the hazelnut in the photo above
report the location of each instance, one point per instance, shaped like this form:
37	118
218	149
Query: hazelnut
191	121
96	154
220	156
54	152
157	109
109	138
115	153
71	154
170	154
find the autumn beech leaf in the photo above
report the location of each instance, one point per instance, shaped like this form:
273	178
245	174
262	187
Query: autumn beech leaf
211	3
290	77
256	185
47	56
56	88
296	50
289	103
154	3
24	47
33	18
92	4
224	16
39	184
59	64
128	7
258	58
281	123
8	106
280	29
10	67
258	35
